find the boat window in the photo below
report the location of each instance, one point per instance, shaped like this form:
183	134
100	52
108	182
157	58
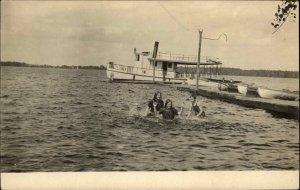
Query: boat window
155	64
169	65
137	57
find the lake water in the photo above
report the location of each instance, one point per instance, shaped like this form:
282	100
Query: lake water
74	120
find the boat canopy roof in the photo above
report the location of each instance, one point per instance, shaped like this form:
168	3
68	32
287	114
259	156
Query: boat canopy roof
183	62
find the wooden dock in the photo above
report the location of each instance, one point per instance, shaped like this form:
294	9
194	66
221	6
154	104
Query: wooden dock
288	108
141	81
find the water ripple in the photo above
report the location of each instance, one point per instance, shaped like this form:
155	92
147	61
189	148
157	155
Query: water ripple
73	120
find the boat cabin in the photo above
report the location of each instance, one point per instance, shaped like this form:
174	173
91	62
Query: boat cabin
171	65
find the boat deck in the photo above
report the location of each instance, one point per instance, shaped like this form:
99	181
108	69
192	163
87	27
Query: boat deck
289	108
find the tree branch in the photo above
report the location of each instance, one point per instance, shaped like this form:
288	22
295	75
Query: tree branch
283	22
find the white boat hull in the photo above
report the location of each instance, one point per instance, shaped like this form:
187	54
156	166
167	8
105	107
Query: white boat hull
242	89
275	94
143	75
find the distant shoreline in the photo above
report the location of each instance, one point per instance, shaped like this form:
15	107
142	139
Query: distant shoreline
225	70
21	64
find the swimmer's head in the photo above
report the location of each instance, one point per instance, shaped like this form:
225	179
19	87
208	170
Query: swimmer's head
193	98
157	95
168	104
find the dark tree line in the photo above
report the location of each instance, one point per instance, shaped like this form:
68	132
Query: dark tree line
240	72
13	63
260	73
21	64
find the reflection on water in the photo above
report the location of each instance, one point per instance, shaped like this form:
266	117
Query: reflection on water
73	120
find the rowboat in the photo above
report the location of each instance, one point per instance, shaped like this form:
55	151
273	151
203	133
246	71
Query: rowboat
227	86
224	80
276	94
247	90
223	87
243	89
232	87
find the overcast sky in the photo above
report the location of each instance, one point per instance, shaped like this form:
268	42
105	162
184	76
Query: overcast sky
96	32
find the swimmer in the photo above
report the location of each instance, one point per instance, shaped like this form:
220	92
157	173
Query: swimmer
169	112
196	108
155	105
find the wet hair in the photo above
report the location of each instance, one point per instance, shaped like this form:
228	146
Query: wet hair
155	95
168	101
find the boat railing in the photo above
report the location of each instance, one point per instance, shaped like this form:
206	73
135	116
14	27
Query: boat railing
177	57
193	75
183	57
130	69
184	75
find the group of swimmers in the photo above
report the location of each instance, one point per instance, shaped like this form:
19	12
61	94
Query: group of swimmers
157	106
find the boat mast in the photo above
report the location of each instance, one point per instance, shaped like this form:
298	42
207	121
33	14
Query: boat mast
154	56
198	62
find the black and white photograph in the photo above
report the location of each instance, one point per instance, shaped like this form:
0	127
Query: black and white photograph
160	87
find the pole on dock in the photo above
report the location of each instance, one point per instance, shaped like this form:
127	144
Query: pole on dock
154	56
199	54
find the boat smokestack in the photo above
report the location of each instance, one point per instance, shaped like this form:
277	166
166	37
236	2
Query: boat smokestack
137	56
134	50
155	49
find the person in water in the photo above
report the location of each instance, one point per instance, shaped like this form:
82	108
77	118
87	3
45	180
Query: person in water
155	105
196	108
169	112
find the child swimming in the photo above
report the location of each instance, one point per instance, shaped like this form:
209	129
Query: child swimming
169	112
195	108
155	105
